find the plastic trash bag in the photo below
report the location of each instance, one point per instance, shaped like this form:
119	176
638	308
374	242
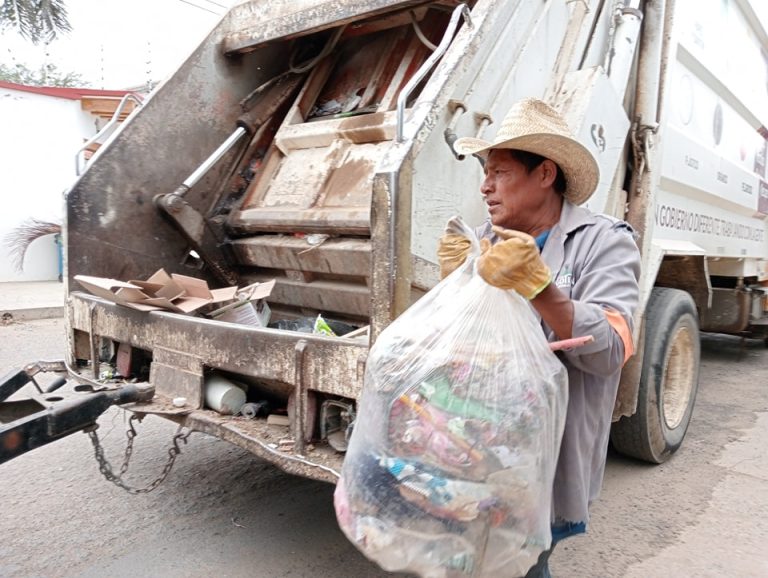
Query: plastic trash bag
450	465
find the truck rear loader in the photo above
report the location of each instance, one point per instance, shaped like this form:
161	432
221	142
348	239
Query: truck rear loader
310	142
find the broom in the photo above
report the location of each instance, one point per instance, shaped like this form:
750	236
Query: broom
20	238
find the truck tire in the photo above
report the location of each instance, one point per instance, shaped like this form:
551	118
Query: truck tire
669	379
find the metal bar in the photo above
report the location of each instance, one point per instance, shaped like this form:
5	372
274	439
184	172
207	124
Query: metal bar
95	340
62	418
300	399
654	54
620	59
12	383
115	118
428	64
224	147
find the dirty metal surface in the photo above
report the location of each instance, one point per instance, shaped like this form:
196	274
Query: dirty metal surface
112	227
330	365
321	295
318	176
688	273
322	190
337	256
31	422
176	374
367	128
729	312
271	443
257	22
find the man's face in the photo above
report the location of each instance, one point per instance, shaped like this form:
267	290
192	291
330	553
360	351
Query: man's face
514	197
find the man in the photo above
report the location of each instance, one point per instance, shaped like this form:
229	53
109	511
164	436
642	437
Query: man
579	271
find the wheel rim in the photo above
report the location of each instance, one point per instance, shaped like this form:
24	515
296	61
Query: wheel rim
679	374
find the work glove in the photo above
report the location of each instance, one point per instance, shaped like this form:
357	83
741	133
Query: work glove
452	251
515	263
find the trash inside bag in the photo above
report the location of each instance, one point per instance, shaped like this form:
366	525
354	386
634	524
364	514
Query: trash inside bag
450	464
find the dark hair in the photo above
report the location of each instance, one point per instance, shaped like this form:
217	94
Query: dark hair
531	160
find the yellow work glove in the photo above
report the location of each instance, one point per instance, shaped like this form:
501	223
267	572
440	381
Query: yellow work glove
452	251
515	263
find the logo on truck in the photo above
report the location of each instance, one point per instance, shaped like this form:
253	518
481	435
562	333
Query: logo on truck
598	136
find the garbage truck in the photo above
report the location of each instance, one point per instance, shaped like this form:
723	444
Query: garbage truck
305	151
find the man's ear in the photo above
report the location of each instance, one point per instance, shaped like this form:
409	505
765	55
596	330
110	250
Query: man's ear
548	173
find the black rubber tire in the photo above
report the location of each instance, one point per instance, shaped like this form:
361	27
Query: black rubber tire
669	379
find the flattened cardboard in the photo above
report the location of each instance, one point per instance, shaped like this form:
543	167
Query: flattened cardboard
169	289
258	290
112	290
224	294
161	291
250	308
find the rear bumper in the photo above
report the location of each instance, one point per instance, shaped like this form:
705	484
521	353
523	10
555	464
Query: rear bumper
183	348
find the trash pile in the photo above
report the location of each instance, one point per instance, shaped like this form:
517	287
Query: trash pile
450	466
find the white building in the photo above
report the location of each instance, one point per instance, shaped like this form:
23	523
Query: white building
41	131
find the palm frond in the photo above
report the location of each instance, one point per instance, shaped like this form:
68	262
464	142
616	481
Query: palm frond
36	20
20	238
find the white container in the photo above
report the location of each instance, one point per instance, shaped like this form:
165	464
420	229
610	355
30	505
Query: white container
222	395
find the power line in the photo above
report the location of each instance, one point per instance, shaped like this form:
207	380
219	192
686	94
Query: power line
201	7
217	4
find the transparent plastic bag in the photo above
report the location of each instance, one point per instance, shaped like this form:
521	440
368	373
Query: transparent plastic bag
450	464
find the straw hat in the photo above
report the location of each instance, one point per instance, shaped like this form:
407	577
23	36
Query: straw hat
534	126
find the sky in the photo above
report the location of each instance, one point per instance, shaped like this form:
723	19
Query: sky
119	44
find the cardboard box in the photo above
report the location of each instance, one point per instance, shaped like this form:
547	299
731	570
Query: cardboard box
161	291
249	308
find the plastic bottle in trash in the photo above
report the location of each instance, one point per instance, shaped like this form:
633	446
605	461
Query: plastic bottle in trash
222	395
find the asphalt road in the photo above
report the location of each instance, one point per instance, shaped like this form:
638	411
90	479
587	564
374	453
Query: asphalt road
224	513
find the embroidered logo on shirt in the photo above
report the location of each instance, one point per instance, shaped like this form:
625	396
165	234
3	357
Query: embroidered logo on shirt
564	278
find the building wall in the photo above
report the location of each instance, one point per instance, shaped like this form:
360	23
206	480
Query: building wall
39	137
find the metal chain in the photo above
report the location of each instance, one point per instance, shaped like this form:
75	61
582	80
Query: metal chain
130	433
106	468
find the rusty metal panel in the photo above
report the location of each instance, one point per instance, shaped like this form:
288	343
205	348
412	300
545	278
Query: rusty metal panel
258	22
368	128
319	462
320	295
688	273
112	227
313	190
331	365
176	374
337	256
729	312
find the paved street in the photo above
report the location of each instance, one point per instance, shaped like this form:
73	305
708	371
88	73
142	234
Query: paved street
224	513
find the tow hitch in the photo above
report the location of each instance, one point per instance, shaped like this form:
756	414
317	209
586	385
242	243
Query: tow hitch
30	422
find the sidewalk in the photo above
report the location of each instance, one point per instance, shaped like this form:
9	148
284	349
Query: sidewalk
22	301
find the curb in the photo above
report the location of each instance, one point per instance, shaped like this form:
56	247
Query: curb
31	314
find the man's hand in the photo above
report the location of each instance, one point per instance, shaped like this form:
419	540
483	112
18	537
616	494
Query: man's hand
515	263
452	251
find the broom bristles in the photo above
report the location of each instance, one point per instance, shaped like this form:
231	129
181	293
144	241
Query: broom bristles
20	238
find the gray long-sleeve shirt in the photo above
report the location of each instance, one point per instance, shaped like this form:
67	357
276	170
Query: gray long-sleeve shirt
595	261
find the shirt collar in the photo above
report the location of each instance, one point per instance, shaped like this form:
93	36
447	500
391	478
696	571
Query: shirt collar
573	217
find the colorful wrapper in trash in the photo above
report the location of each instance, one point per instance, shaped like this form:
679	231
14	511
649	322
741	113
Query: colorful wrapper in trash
450	465
321	327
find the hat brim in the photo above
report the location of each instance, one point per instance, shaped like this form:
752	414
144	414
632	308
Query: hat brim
578	165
